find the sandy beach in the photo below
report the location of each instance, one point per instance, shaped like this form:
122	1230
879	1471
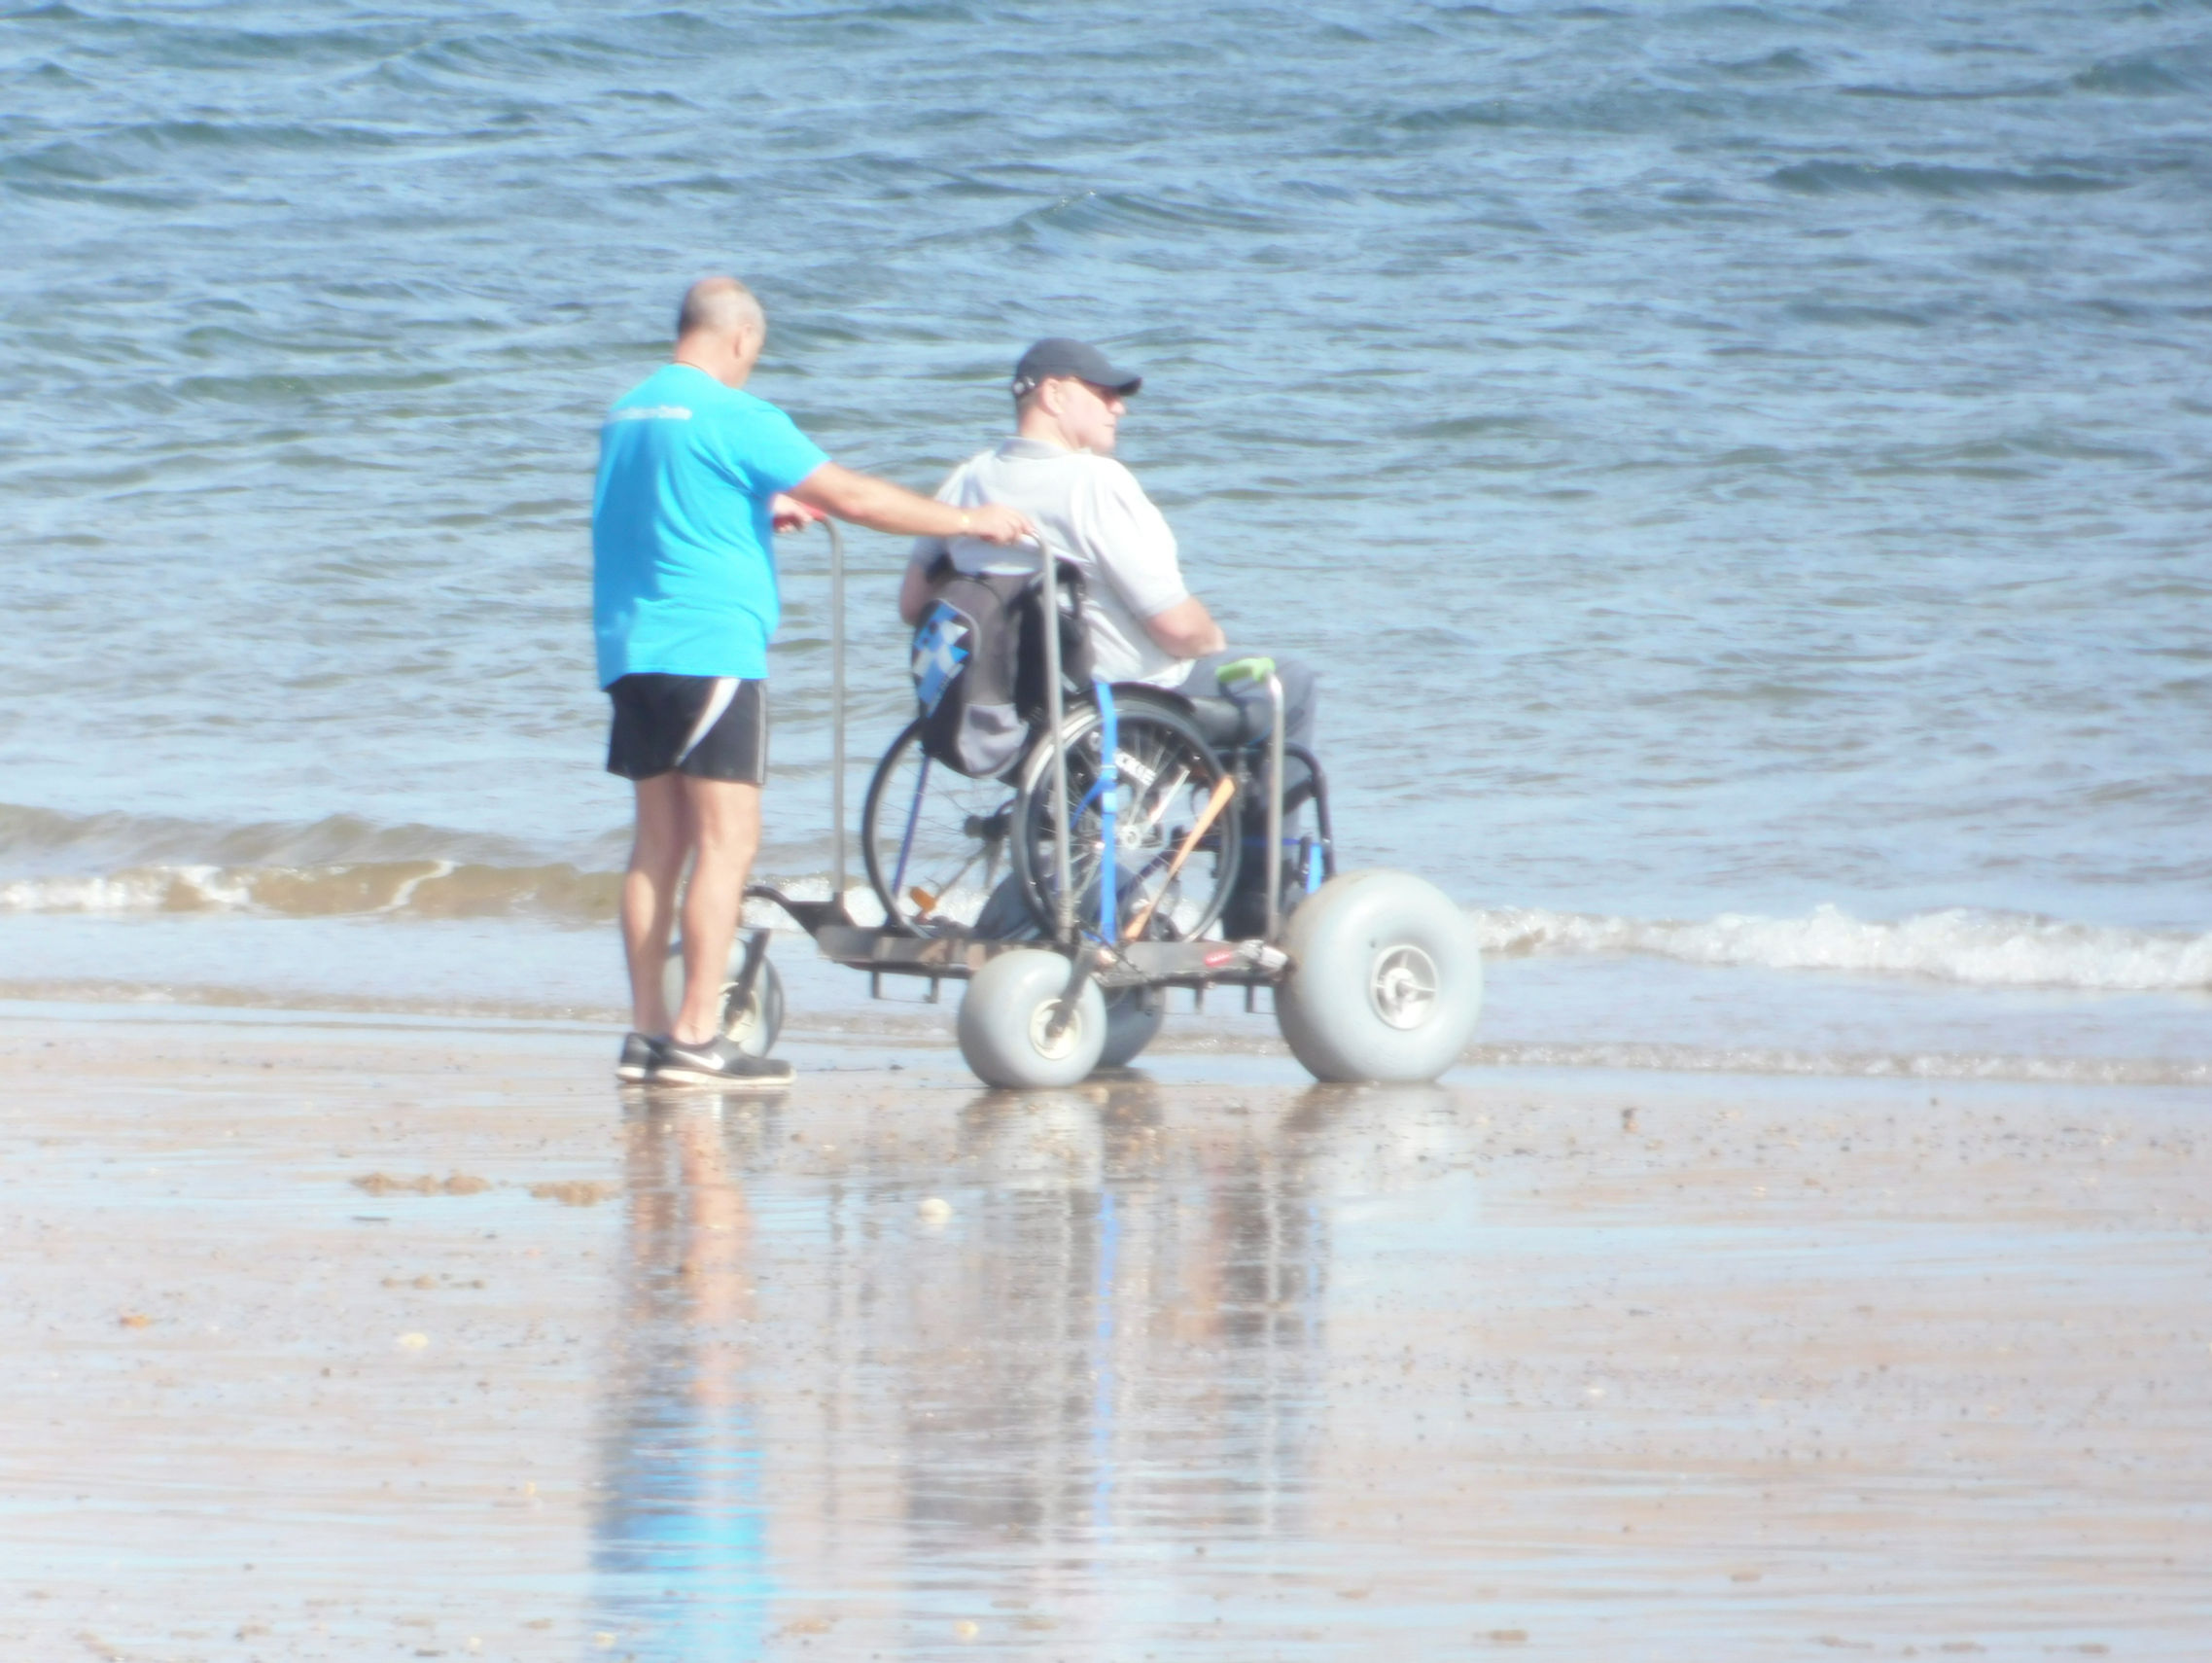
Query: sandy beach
355	1336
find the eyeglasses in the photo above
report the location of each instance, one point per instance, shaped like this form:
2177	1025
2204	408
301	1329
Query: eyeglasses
1025	385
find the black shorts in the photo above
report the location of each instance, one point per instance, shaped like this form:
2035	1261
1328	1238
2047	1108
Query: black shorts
712	727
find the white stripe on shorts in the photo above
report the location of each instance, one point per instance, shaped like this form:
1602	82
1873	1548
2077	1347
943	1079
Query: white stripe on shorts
717	702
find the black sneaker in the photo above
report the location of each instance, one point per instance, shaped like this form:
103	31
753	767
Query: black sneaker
640	1051
719	1061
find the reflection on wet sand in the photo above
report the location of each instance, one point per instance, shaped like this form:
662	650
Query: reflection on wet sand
1112	1340
680	1531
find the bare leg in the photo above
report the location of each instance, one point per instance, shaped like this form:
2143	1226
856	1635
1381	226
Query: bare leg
658	854
725	834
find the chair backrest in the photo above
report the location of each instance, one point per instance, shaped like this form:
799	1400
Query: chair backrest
979	662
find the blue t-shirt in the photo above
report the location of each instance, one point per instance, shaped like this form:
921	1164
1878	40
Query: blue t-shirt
684	564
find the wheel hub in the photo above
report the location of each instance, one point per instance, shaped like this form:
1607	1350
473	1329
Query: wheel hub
1052	1034
1403	987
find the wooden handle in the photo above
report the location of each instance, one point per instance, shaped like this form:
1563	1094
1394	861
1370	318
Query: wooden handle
1222	793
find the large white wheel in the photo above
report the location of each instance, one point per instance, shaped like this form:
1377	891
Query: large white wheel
1386	979
1011	1026
750	1024
1133	1016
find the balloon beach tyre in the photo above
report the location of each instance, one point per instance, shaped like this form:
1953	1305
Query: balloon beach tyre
1388	979
1133	1022
752	1024
1007	1022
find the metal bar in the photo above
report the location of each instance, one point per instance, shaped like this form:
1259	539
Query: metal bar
1081	967
1321	784
906	842
836	713
1064	903
1274	744
1110	791
749	973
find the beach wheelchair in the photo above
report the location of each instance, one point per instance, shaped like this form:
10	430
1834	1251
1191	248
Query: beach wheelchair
1102	843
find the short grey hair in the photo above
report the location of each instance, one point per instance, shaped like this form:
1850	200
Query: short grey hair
720	305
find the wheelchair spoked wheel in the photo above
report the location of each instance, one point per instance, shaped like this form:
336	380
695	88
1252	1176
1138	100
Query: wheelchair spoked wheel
935	842
1166	774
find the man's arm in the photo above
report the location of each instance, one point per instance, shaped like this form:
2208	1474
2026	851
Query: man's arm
880	506
1187	629
1135	553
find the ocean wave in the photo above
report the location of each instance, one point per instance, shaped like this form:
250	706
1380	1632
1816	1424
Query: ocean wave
345	866
35	838
414	889
1927	179
1960	945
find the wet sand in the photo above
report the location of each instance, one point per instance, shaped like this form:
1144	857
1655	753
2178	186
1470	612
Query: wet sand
361	1337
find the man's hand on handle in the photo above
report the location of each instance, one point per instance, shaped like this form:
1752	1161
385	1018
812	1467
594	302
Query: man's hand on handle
788	514
882	506
993	522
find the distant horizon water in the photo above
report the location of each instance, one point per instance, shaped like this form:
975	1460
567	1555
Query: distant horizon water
1745	473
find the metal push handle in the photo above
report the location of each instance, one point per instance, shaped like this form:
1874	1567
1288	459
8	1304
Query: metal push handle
1109	794
1275	806
836	715
1063	901
836	712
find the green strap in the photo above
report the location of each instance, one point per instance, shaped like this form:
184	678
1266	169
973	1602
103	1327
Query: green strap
1253	669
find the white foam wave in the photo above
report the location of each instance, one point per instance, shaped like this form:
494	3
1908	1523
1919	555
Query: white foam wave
140	889
426	888
1955	944
1958	946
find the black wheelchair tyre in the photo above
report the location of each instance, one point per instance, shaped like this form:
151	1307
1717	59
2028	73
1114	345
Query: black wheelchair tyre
959	853
1133	1018
1168	770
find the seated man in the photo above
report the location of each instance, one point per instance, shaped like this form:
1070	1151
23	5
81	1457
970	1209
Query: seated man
1058	470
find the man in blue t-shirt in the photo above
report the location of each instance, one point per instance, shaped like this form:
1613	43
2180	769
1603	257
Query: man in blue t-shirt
694	476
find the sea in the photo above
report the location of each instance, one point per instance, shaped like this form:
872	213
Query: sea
1744	471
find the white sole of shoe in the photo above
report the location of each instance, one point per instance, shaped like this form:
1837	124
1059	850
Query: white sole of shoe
705	1078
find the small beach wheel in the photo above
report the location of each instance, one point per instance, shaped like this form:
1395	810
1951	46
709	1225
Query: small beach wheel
1014	1029
1386	981
1133	1016
752	1022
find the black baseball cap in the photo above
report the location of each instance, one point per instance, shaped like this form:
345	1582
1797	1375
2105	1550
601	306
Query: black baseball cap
1057	355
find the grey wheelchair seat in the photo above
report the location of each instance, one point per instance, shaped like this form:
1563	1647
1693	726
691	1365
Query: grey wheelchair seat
1225	724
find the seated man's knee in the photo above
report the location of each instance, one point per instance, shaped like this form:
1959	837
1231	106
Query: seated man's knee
1301	700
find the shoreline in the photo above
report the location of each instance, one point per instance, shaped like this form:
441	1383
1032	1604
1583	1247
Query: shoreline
902	1022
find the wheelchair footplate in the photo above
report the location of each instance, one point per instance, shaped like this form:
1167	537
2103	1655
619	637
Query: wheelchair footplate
957	955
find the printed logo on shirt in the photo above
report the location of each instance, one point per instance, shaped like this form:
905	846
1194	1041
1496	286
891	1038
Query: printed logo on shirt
652	413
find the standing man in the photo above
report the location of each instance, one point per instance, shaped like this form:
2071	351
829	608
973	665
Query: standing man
1144	624
693	476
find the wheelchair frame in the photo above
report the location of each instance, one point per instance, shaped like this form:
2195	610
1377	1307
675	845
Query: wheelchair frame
1115	964
1390	987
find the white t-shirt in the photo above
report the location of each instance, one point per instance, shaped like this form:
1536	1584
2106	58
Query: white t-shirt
1092	511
